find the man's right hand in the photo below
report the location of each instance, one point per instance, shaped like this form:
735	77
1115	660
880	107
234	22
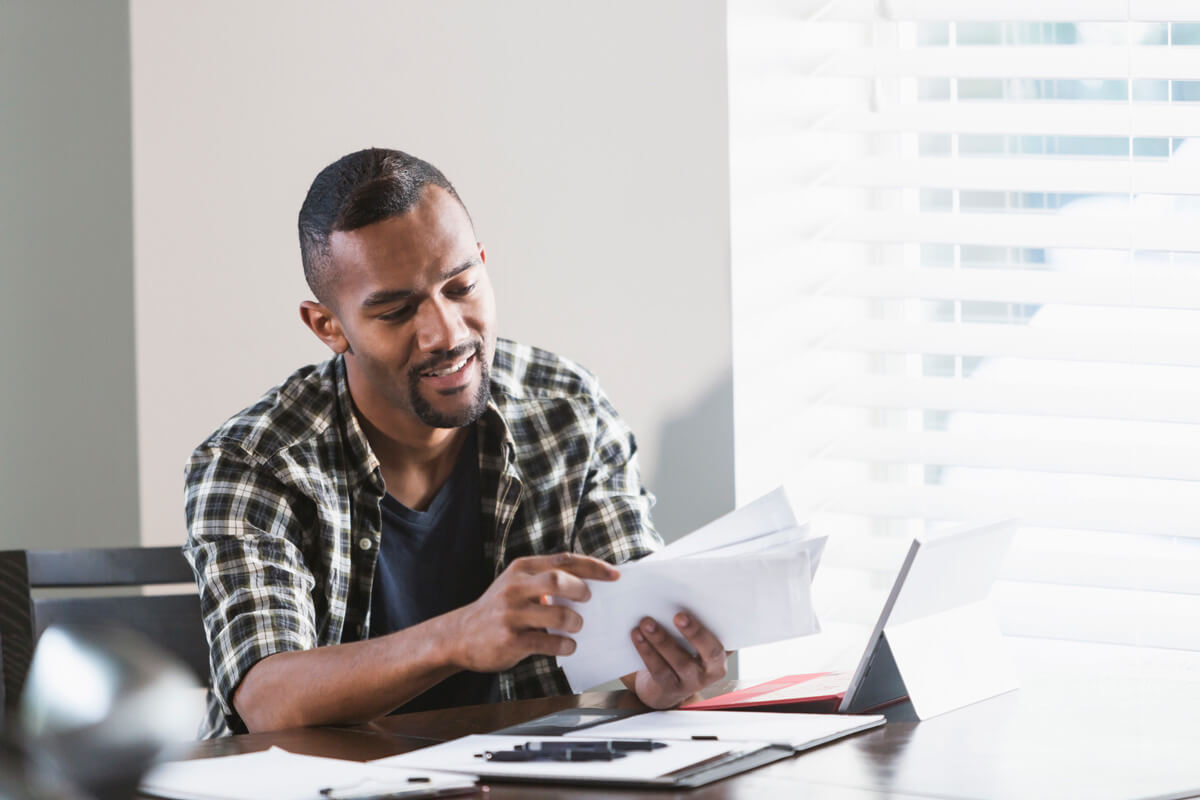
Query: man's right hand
510	620
361	681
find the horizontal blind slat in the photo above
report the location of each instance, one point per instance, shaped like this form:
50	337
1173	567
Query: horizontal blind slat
1133	403
1016	174
1040	118
1166	288
1149	62
1040	454
1114	345
1082	512
1070	558
1176	233
1011	11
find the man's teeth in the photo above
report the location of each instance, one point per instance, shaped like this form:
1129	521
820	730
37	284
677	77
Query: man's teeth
437	373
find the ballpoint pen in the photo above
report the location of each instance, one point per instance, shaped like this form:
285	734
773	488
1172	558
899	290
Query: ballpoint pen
609	745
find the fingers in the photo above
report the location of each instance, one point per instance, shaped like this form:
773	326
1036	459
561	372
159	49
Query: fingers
561	575
558	618
709	649
547	644
656	665
578	565
557	583
671	665
686	668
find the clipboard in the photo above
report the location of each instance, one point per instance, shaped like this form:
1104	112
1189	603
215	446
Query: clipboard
680	764
686	748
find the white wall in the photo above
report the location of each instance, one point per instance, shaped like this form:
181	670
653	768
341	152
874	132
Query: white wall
588	141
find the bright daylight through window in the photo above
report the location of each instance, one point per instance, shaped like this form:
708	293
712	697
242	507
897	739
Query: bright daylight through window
966	285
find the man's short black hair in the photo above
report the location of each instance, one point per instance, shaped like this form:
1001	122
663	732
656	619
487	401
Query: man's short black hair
353	192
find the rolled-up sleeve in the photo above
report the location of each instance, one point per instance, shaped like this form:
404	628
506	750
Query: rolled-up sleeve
245	527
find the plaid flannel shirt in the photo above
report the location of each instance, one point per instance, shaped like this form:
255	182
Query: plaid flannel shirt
284	521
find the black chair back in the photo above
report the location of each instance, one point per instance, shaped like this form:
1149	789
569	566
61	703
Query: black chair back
172	621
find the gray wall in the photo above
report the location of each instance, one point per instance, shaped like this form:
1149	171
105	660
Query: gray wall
68	438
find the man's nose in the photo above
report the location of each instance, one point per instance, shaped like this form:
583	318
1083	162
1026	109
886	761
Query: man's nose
440	326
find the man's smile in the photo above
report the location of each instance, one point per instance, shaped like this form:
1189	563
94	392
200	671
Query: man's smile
450	376
453	367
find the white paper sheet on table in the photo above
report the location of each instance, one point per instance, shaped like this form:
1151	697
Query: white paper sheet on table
744	601
281	775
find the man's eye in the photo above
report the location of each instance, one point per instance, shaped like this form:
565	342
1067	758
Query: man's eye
461	291
400	313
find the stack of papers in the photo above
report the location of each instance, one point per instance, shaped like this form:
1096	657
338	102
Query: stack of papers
747	576
281	775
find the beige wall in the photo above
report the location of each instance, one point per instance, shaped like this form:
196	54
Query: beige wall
589	142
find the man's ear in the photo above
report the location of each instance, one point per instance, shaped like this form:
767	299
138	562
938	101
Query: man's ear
321	321
482	254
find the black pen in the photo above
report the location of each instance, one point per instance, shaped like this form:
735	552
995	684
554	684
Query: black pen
613	745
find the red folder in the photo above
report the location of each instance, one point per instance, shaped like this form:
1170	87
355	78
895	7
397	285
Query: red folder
817	692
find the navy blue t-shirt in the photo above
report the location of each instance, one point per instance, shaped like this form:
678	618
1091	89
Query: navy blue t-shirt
431	562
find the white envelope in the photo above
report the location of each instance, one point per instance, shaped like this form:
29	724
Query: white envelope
769	513
744	601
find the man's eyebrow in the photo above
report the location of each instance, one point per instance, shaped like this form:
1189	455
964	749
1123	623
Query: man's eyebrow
383	297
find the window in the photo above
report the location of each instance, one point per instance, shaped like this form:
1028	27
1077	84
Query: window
966	285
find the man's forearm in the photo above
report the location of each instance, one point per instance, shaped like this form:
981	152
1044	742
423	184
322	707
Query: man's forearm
347	683
358	682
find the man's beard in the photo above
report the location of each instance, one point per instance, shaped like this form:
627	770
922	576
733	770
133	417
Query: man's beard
436	419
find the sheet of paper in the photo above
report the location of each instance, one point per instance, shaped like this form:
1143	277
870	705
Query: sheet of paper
769	513
460	756
744	601
281	775
798	731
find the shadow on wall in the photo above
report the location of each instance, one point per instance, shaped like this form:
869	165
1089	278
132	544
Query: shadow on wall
694	477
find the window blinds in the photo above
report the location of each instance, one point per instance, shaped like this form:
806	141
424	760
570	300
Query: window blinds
966	285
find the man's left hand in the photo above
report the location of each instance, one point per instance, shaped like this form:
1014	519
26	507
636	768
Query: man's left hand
672	674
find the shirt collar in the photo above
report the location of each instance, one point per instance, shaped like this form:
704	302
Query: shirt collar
362	461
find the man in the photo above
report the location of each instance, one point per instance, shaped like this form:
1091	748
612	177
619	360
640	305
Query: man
388	530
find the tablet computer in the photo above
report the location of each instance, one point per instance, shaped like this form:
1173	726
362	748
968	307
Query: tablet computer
935	642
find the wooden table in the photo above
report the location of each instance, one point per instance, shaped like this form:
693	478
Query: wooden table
1064	735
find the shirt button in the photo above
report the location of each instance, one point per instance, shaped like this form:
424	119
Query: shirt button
365	543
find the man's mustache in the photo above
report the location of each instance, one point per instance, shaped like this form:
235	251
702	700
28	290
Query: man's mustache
447	357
